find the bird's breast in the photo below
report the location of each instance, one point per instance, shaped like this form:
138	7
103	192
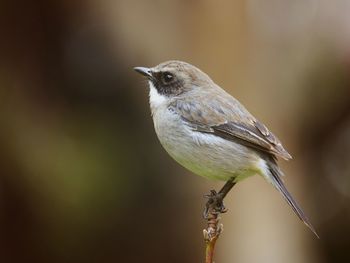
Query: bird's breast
204	154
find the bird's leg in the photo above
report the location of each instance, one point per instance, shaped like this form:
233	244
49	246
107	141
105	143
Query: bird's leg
215	204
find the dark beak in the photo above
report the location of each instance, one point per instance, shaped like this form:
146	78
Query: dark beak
144	71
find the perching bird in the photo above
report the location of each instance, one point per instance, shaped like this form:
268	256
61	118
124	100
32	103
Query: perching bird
209	132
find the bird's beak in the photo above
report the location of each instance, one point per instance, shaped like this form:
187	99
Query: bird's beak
144	71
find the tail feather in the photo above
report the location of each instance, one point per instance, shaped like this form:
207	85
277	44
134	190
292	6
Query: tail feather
278	184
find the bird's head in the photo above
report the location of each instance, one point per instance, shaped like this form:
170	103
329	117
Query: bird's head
173	78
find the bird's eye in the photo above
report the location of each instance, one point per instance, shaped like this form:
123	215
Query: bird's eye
167	77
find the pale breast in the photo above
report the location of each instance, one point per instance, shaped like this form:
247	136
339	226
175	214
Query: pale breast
204	154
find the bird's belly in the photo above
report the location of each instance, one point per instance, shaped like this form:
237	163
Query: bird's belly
205	154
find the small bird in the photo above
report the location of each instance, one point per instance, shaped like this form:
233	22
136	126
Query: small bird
210	133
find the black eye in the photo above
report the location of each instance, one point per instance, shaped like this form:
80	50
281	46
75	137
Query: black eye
167	77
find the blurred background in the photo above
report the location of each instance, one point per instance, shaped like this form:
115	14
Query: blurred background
83	177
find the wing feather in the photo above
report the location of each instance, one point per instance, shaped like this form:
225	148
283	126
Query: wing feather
230	121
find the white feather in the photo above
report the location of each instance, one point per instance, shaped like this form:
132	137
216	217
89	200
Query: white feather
264	169
204	138
155	99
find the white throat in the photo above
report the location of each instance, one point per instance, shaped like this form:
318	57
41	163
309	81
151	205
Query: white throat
155	99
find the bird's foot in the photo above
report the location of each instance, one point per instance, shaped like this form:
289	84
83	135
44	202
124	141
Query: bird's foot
215	204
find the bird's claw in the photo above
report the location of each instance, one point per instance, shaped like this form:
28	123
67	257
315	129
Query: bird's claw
214	204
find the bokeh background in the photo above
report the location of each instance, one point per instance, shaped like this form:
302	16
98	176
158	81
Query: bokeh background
82	175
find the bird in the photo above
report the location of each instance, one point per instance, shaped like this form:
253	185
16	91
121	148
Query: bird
210	133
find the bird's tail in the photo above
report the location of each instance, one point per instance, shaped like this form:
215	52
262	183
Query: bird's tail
277	182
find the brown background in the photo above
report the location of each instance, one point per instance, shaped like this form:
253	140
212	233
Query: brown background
82	175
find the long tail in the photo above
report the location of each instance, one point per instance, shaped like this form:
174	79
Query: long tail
277	182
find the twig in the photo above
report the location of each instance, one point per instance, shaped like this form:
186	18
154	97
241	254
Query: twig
214	208
211	234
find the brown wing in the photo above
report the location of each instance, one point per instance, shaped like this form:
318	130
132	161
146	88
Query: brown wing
230	121
253	136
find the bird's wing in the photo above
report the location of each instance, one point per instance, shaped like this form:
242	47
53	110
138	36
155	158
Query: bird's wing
254	134
225	117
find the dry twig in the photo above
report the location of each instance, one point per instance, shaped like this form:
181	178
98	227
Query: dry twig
213	209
